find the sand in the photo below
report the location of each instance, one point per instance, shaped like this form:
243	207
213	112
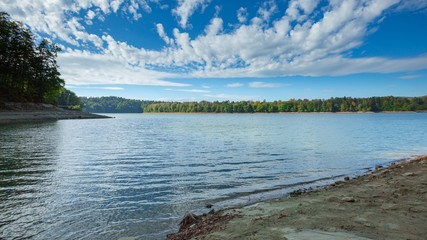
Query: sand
389	203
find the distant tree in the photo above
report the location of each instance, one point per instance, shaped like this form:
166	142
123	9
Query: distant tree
70	100
119	105
345	104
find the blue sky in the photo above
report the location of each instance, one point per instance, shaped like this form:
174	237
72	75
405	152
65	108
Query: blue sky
192	50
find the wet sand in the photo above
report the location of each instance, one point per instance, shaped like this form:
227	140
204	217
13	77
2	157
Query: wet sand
389	203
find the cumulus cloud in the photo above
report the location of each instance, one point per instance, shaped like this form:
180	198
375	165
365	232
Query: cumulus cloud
186	8
90	68
242	15
303	39
58	18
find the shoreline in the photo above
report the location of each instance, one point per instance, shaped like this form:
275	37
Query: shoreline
388	203
32	112
385	112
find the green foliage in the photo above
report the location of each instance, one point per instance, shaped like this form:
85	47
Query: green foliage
113	105
345	104
68	99
28	71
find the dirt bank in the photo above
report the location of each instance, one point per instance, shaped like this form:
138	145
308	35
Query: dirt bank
28	112
390	203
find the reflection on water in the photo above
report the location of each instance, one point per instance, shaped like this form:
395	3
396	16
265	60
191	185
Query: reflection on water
136	175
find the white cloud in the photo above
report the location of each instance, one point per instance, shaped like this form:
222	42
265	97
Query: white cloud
82	67
302	39
267	10
235	85
264	85
410	76
242	15
90	14
89	87
215	27
162	34
134	6
188	90
115	4
412	5
296	7
113	88
186	8
58	18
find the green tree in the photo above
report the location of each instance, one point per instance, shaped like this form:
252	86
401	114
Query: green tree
28	72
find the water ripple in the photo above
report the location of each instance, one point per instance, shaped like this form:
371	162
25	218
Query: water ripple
137	175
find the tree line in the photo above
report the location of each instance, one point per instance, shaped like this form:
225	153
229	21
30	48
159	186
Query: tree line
28	70
344	104
113	105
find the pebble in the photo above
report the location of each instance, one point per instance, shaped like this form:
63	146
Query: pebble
348	199
408	174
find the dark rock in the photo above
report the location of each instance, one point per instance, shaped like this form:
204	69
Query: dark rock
346	178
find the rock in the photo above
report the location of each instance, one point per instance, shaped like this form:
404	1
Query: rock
348	199
346	178
378	167
188	220
209	205
337	183
408	174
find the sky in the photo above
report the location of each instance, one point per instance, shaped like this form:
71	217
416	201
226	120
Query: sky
217	50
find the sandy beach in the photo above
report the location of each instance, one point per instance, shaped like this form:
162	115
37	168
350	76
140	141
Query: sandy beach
389	203
28	112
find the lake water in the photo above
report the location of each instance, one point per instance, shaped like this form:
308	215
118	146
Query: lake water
136	175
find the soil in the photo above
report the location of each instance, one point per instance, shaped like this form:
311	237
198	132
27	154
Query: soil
30	112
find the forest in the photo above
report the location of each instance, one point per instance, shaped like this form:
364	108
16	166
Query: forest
344	104
28	70
113	105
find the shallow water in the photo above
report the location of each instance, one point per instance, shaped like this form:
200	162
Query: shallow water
137	174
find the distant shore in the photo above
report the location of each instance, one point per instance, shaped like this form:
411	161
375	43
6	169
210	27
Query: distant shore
32	112
389	203
284	112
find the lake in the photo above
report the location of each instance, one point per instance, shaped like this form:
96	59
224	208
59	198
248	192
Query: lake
136	175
